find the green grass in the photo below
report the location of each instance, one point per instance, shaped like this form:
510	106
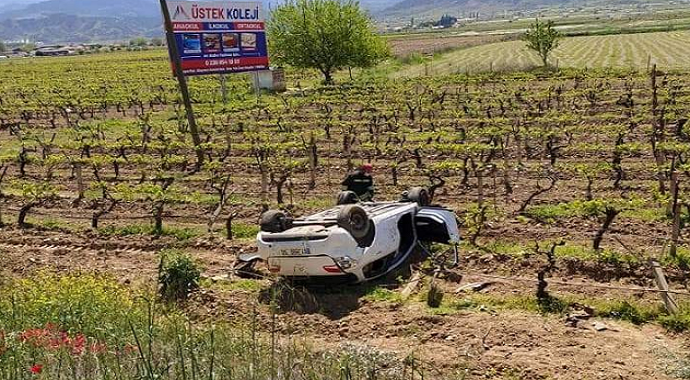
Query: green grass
622	309
94	305
550	213
244	230
680	260
646	214
51	223
679	322
378	294
318	203
239	230
87	327
181	234
569	250
669	50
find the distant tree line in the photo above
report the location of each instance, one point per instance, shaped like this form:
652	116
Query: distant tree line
142	42
446	21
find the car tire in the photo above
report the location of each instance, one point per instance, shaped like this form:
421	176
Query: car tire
420	196
273	221
347	198
355	221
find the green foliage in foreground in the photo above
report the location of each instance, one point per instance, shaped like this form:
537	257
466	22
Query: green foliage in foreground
178	275
83	327
623	309
95	306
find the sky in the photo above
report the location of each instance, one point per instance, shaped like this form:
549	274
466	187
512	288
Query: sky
4	3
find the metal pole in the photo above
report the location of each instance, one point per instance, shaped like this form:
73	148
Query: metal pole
257	88
224	88
182	81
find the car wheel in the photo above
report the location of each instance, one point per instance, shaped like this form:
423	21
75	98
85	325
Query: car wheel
419	195
355	221
347	198
273	221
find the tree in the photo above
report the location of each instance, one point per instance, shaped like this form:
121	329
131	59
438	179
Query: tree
447	21
326	35
139	42
3	47
157	41
27	48
543	38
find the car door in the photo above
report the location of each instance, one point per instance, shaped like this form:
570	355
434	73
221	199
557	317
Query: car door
437	225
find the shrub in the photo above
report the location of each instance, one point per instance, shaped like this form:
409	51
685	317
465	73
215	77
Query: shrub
414	58
627	311
680	260
178	275
678	322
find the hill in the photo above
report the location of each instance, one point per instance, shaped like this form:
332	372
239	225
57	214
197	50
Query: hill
98	8
434	8
117	8
60	28
55	21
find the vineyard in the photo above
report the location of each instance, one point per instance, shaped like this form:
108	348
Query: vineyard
579	171
668	50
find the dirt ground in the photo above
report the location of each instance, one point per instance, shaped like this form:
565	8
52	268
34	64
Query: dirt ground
463	343
476	344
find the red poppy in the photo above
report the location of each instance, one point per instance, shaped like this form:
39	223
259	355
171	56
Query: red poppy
53	339
36	369
78	344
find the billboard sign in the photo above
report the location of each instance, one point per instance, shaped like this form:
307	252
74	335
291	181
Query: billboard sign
219	37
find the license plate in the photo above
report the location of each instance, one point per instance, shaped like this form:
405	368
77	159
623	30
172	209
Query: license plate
293	252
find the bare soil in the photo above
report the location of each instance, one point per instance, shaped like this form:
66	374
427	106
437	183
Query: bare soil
482	343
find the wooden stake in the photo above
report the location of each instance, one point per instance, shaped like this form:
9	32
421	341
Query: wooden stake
411	286
182	81
675	210
669	301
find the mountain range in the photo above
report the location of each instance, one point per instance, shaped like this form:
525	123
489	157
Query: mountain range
52	21
435	8
80	21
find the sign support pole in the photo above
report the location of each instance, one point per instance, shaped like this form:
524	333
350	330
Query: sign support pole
182	80
224	88
257	87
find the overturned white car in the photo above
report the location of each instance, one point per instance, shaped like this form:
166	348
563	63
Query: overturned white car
353	242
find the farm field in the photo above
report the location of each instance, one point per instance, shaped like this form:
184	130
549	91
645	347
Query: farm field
668	50
406	45
99	180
